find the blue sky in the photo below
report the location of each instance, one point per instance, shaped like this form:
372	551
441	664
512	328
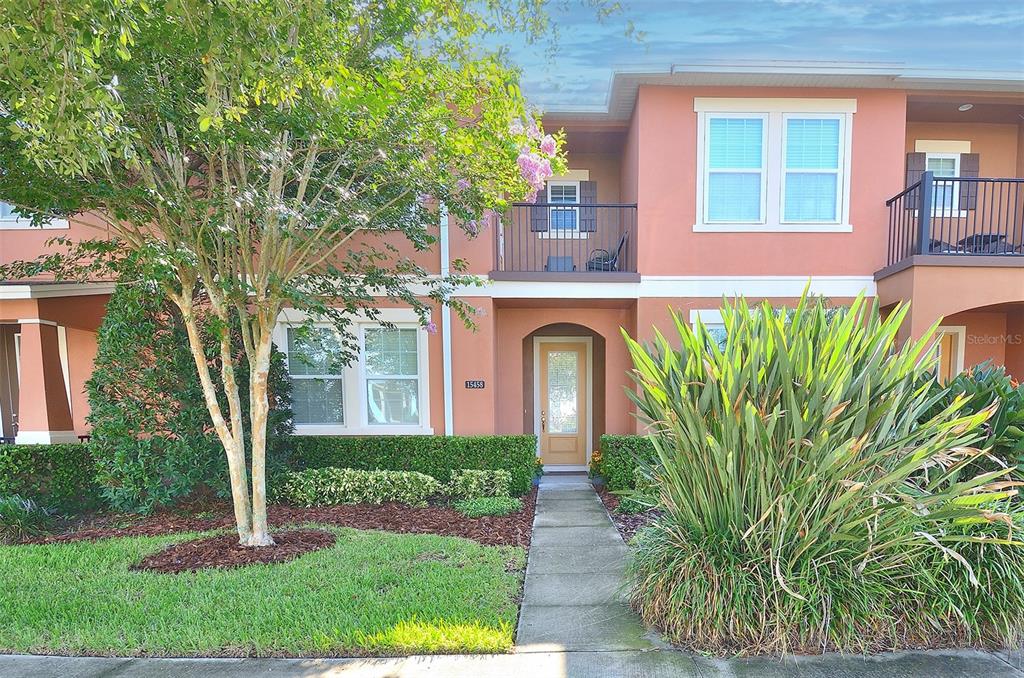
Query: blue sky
932	34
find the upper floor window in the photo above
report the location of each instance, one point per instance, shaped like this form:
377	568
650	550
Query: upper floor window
564	193
773	164
945	194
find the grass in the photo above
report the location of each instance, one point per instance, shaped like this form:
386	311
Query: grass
488	506
372	593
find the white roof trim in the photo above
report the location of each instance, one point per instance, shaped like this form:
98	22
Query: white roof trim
51	290
626	80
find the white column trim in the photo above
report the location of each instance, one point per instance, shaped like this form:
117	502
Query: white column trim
45	437
65	368
446	333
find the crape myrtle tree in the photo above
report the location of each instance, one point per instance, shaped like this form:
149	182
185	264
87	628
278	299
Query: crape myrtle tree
252	155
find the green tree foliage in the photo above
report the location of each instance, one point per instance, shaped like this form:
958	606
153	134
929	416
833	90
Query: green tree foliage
807	501
151	434
267	154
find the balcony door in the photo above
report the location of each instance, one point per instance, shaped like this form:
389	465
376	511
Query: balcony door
563	397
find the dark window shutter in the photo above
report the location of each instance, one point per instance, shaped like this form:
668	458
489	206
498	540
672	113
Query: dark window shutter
588	215
915	168
539	215
970	163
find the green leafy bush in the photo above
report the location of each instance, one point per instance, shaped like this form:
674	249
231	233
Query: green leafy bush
982	386
473	484
21	518
437	456
151	431
59	476
332	486
488	506
808	504
620	457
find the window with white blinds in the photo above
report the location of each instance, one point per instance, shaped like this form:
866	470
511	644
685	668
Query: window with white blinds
811	179
773	169
735	169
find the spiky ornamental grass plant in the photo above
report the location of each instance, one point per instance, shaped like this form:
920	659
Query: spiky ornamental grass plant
805	506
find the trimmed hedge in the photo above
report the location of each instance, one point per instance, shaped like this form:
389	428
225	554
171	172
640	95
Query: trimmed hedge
332	486
474	484
58	476
488	506
619	455
436	456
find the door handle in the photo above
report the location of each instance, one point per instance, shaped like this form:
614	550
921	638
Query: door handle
543	421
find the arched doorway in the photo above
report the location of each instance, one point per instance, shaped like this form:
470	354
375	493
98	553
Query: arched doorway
564	393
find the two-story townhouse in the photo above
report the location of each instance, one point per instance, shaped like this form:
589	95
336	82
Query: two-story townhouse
692	184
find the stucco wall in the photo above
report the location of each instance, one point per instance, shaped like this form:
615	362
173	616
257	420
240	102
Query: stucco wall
667	191
513	324
995	144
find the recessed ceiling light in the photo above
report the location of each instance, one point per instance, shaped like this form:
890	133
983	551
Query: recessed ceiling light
965	107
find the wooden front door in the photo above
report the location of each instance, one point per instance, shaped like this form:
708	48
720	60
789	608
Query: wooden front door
563	374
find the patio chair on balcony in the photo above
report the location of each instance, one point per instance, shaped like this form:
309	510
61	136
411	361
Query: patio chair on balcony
603	260
560	264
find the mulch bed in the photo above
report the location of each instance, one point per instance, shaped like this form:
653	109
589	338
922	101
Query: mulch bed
224	552
510	530
628	524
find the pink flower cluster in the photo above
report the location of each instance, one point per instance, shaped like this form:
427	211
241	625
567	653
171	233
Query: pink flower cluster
535	170
548	146
534	165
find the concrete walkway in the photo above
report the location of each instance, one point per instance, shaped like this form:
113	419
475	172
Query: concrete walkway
573	623
572	600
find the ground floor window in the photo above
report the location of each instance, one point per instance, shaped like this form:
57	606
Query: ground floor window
382	390
712	319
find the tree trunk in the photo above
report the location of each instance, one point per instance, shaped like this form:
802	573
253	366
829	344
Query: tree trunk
233	445
259	408
236	452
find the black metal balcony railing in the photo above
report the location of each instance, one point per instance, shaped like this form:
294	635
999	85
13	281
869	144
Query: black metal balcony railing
957	216
592	240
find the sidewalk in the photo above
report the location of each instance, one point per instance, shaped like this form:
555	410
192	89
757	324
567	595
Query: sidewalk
651	664
573	623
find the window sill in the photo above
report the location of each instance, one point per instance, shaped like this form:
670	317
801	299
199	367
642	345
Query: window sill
337	430
772	228
26	225
563	235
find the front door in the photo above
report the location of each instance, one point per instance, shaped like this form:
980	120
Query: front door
562	374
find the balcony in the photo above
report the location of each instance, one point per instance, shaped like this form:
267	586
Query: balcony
559	241
963	220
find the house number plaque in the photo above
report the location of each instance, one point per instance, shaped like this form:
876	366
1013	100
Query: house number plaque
475	383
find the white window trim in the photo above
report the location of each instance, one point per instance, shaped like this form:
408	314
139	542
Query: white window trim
960	332
705	122
354	377
775	112
942	210
562	233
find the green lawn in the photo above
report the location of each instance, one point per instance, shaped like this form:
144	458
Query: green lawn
371	593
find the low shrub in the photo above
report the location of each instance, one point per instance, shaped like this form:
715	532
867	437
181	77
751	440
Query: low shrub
620	455
331	486
436	456
473	484
60	476
808	503
151	433
983	386
21	518
488	506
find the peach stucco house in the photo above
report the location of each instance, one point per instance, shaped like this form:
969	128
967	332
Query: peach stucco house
692	183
